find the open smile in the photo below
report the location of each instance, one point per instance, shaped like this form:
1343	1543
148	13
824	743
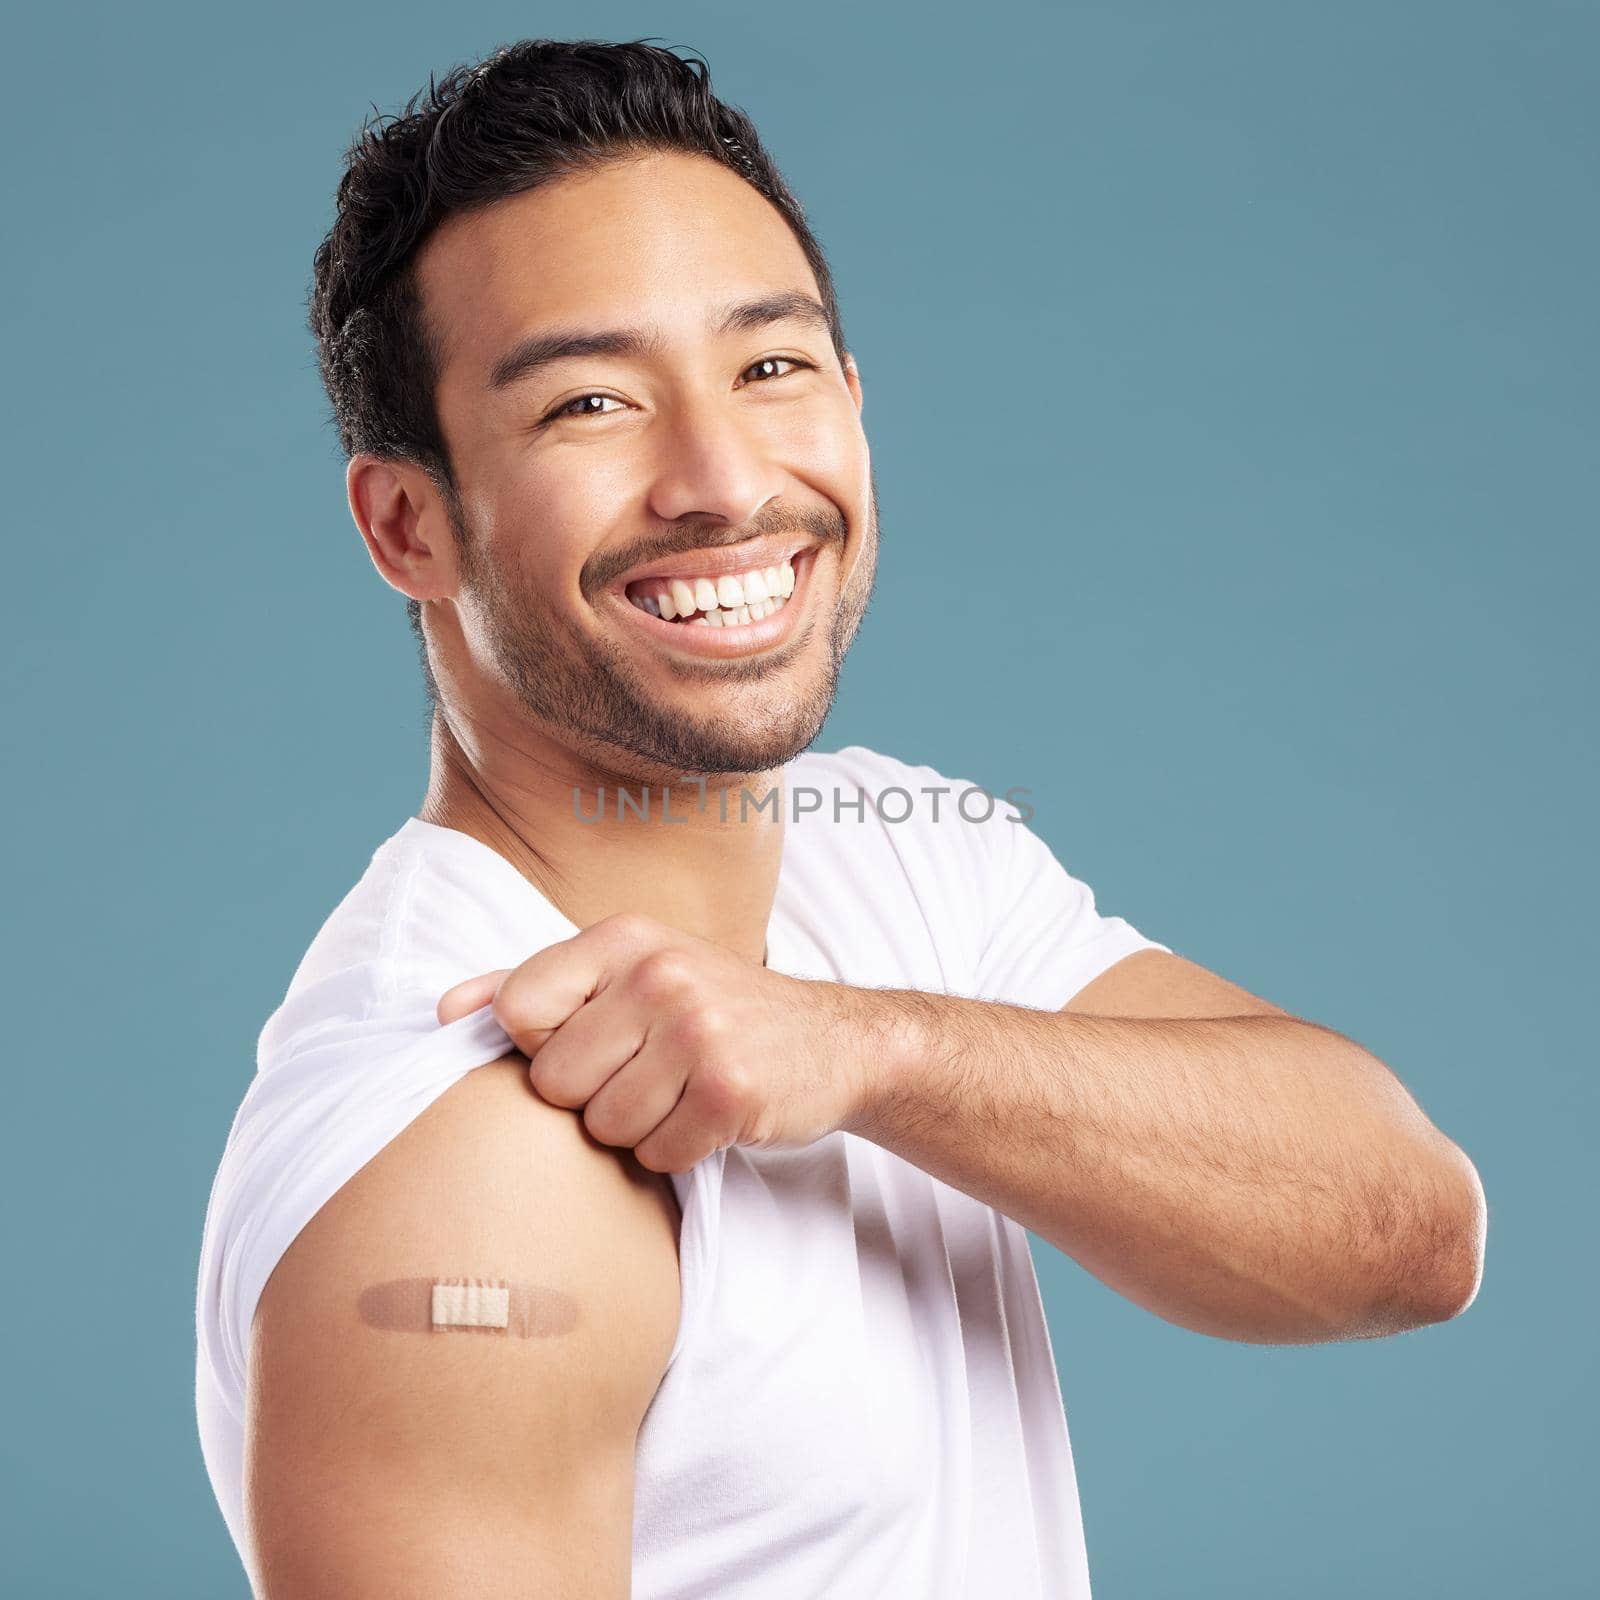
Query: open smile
724	610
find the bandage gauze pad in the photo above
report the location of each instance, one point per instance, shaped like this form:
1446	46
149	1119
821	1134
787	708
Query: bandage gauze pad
464	1304
471	1305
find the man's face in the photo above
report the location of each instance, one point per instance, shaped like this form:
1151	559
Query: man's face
722	440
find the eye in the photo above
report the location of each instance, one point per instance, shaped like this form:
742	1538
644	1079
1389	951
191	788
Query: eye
767	368
767	363
565	409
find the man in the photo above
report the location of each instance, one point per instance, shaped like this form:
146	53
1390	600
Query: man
631	1194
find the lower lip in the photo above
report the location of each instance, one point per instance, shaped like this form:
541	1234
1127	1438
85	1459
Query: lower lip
742	638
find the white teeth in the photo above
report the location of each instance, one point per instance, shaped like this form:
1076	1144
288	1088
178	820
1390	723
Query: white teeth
699	622
729	600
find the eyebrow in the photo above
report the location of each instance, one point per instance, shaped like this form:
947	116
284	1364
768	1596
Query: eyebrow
538	350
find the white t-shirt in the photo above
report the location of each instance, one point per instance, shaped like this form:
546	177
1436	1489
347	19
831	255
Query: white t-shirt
861	1399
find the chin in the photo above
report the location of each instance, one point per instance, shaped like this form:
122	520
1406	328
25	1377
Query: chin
674	746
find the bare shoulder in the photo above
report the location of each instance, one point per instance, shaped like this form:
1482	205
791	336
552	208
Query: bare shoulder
497	1414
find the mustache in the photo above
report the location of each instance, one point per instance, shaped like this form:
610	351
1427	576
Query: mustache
825	524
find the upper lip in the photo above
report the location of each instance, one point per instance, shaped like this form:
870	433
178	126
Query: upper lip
752	555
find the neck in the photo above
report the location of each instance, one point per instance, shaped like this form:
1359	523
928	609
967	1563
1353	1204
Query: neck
693	862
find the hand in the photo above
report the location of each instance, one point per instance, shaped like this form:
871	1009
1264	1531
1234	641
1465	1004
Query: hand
675	1047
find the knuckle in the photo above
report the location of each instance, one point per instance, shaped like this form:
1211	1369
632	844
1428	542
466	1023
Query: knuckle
549	1083
627	928
666	1156
697	1032
514	1009
717	1036
603	1122
663	975
652	1160
724	1089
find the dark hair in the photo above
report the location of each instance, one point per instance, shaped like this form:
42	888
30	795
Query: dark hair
529	114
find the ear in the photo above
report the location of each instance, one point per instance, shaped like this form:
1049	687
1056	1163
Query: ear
852	378
404	525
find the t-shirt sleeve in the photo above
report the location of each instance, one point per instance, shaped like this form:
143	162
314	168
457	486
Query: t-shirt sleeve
330	1092
1041	937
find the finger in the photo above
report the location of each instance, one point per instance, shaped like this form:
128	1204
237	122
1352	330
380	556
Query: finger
702	1122
635	1099
549	988
530	996
580	1056
467	996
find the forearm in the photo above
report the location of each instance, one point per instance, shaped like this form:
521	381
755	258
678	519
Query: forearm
1250	1177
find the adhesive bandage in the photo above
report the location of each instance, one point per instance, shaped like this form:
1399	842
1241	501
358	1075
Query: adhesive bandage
471	1305
467	1305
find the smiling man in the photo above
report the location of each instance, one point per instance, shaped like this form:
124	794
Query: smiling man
631	1194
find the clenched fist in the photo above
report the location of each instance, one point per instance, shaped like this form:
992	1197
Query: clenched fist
675	1047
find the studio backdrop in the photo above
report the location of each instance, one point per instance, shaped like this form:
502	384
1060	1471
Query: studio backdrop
1229	376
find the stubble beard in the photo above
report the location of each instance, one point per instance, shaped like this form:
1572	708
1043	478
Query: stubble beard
587	690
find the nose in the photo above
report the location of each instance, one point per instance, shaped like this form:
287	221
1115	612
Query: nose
713	465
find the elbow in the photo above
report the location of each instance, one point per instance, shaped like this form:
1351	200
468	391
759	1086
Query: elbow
1461	1269
1441	1268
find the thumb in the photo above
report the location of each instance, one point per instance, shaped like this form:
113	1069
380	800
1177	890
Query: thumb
466	997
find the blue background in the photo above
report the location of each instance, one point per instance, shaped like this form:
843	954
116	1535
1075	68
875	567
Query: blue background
1230	379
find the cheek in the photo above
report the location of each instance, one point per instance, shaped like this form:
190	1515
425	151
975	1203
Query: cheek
828	452
547	523
828	444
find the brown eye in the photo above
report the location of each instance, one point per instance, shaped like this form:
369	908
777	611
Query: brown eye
767	365
565	409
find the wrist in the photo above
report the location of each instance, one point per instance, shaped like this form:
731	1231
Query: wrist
886	1040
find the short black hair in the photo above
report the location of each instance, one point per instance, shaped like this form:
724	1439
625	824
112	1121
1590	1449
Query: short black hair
528	114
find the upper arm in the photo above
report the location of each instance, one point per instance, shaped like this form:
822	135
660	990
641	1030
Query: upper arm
385	1461
1157	983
